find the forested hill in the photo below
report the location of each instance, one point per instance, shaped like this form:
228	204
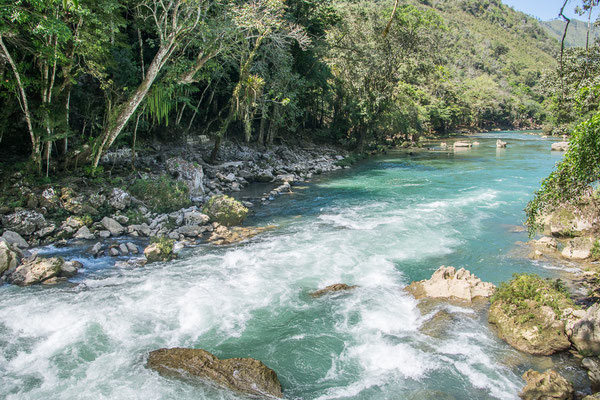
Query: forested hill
577	35
80	78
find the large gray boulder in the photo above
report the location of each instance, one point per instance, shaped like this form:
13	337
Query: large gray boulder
447	282
191	174
244	375
24	222
115	228
195	218
13	238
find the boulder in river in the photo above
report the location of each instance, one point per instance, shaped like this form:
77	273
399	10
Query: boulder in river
337	287
560	146
500	144
447	282
37	270
245	375
584	332
549	385
161	250
115	228
13	238
221	235
527	314
225	210
462	144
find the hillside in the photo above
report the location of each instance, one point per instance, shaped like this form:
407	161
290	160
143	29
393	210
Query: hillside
577	34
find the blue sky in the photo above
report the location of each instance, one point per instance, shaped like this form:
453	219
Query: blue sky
544	9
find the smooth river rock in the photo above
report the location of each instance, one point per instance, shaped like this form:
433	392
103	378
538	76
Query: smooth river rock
447	282
549	385
245	375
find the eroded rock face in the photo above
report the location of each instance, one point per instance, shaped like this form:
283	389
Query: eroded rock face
566	222
24	222
337	287
191	174
244	375
447	282
534	330
584	333
548	385
579	248
225	210
592	365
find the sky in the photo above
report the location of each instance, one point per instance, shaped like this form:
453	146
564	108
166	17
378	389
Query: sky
546	9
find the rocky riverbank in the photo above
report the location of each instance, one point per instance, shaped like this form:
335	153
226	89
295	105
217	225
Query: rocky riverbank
173	198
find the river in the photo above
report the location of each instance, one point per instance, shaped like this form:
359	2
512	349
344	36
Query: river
380	225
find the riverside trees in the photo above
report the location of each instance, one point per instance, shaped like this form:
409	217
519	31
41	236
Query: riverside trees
81	77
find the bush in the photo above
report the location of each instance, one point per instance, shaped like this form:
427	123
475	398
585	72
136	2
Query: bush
162	195
517	294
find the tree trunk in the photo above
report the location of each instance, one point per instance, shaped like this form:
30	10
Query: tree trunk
36	153
215	150
263	124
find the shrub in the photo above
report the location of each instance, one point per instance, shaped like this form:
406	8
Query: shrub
162	195
517	294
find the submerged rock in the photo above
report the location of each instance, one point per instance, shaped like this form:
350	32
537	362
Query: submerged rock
548	385
447	282
225	210
162	250
461	144
500	144
337	287
245	375
222	235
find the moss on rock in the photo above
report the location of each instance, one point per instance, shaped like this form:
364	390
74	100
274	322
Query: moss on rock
225	210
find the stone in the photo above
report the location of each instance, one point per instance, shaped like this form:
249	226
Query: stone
447	282
96	249
189	173
132	248
546	242
592	365
225	210
584	332
49	199
160	251
195	218
72	222
141	230
35	270
595	396
264	176
113	252
500	144
560	146
244	375
189	231
460	144
119	199
24	222
115	228
221	235
70	269
103	234
14	239
9	258
76	204
84	234
337	287
534	330
285	178
548	385
579	248
123	249
132	262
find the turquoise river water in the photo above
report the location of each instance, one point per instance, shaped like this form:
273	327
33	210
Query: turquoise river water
380	225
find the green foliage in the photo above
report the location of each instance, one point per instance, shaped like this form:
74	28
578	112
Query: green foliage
523	289
595	252
135	217
351	159
572	177
165	246
161	195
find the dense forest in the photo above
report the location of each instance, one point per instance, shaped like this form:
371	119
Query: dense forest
80	78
